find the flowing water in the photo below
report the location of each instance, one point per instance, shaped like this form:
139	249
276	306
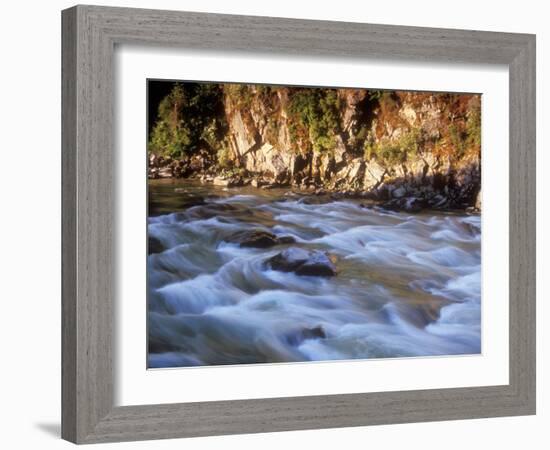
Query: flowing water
407	285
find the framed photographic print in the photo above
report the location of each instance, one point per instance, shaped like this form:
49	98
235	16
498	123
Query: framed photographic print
268	222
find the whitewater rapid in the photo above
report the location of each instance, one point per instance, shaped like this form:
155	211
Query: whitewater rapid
407	285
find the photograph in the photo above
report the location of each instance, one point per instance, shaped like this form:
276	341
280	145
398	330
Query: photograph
294	223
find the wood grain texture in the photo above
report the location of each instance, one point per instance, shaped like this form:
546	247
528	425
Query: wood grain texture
522	224
68	224
89	36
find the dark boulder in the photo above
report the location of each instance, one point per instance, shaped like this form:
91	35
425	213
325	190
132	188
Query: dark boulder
286	240
258	239
297	337
154	245
303	262
406	204
314	333
181	169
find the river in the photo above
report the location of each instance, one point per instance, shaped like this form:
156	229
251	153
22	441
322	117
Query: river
408	285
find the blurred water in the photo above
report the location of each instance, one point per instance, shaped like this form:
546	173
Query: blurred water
407	285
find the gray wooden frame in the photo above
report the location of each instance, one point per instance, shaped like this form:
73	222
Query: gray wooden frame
89	36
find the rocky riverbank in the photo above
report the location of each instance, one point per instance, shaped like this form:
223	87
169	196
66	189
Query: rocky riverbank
412	192
407	151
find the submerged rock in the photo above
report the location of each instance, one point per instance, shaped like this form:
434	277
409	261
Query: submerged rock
315	199
258	239
406	204
317	332
286	240
190	201
154	245
303	262
297	337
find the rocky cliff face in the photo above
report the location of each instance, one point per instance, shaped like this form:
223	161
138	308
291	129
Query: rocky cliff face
404	147
410	150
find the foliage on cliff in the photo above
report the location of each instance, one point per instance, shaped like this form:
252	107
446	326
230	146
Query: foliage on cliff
314	119
387	126
447	125
189	118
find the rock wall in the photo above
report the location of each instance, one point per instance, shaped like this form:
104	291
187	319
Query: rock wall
409	150
260	141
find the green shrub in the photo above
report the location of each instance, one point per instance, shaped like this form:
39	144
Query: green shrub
224	156
189	116
393	151
240	94
314	119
